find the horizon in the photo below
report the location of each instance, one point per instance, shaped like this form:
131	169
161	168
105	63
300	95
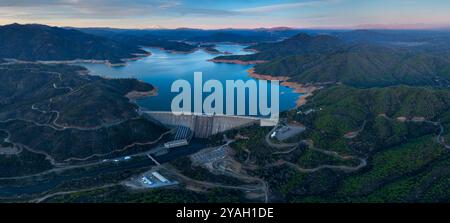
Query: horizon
234	14
371	27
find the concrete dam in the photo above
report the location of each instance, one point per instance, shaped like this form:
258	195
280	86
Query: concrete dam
203	126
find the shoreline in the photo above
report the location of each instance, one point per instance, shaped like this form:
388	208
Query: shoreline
138	56
173	51
250	50
136	95
78	61
181	52
252	62
213	52
306	90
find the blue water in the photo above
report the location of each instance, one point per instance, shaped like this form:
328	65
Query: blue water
162	68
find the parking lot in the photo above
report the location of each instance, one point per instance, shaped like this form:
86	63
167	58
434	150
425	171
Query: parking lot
151	179
209	155
287	131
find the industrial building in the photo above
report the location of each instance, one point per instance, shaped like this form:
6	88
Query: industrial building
160	177
152	179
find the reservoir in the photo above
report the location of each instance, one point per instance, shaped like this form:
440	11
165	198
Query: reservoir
162	68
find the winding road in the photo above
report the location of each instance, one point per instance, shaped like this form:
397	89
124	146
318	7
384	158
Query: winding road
62	166
439	138
44	198
294	146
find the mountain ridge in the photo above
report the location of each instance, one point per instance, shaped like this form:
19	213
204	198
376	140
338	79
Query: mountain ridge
35	42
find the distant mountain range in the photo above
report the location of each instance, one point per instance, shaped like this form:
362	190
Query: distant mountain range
201	35
44	43
231	37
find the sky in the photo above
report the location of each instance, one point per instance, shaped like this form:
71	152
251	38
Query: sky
216	14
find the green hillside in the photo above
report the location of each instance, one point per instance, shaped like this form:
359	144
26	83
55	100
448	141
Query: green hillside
362	66
300	44
342	109
40	42
395	131
58	111
326	59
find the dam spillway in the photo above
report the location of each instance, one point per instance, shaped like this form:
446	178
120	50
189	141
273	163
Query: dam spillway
203	126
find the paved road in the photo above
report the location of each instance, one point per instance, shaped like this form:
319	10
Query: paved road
210	184
294	146
65	167
439	139
42	199
263	184
58	127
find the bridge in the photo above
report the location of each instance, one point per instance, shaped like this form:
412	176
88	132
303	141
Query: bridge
202	125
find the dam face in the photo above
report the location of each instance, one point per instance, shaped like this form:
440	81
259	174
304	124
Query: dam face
203	126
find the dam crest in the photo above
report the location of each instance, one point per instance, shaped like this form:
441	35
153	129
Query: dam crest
202	125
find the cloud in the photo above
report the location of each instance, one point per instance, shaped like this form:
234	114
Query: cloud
215	13
43	3
104	9
279	7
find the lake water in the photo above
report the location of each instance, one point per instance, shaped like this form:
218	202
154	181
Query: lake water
162	68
